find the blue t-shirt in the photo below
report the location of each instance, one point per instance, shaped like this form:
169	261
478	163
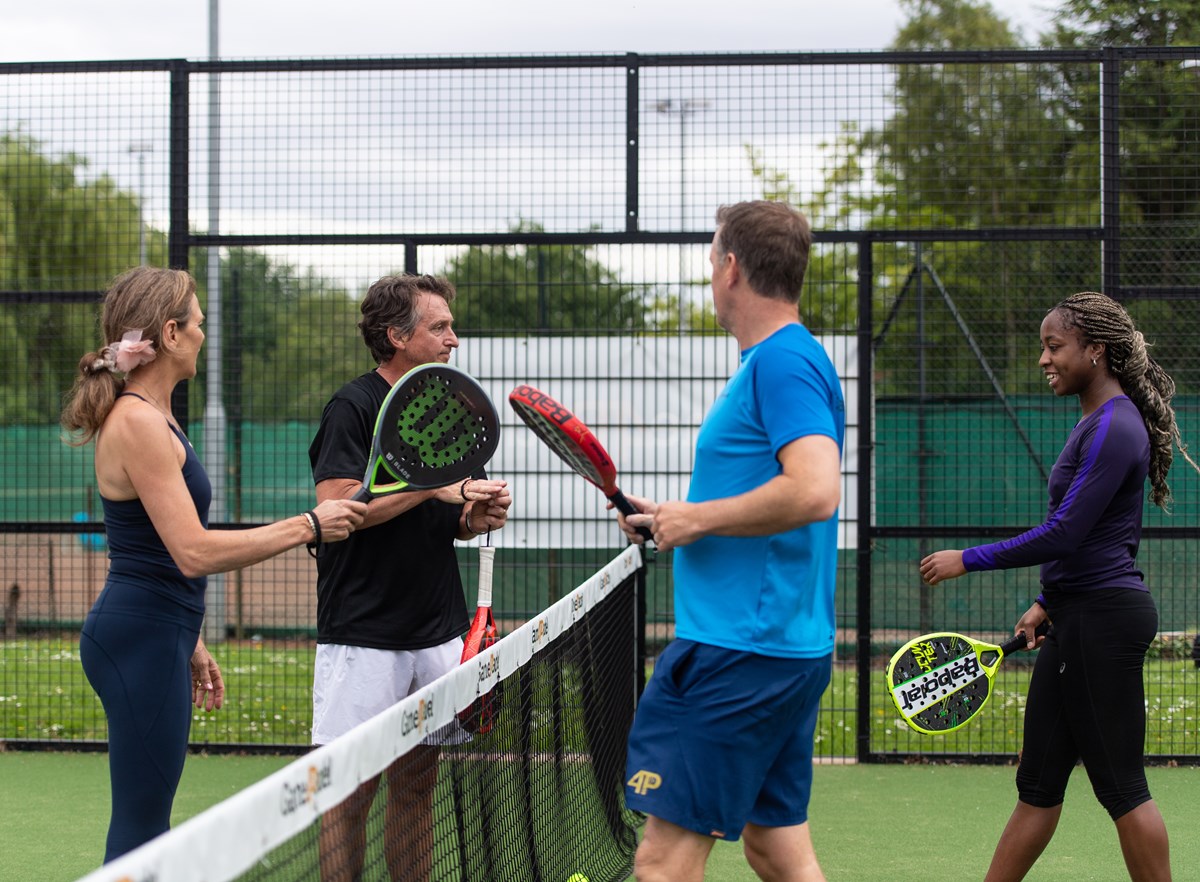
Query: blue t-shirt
771	595
1093	527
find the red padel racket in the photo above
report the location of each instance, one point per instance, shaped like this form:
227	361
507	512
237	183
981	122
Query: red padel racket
566	435
481	715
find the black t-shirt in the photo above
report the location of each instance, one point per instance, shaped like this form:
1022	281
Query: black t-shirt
395	585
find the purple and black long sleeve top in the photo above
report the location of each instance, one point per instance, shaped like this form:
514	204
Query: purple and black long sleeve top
1092	530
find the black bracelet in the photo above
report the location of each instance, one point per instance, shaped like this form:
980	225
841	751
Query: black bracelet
462	489
314	522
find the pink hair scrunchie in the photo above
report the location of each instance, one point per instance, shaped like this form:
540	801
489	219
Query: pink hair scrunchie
129	353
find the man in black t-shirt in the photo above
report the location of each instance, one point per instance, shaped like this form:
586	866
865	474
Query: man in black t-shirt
390	606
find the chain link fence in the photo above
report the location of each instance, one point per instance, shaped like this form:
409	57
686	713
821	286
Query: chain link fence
956	196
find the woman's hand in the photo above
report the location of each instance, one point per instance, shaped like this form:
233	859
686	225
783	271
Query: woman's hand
1029	623
941	566
338	518
208	689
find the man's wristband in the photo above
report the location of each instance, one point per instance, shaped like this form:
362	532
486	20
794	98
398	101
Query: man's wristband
467	521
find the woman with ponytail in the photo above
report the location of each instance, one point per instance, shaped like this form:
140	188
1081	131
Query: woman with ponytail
1086	700
141	647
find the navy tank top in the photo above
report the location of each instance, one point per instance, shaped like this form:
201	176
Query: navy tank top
136	553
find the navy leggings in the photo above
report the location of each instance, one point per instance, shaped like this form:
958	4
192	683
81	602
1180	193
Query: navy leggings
136	649
1087	701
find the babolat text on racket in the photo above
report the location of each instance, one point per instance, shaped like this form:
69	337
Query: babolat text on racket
567	436
940	682
436	427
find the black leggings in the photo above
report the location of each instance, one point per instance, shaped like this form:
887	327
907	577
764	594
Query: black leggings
136	649
1087	700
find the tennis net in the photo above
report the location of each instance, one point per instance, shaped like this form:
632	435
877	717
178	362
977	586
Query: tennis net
528	787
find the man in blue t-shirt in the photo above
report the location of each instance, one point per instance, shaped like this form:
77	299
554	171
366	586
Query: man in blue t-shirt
721	746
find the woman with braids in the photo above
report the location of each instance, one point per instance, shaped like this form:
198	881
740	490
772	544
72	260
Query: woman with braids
1085	697
141	646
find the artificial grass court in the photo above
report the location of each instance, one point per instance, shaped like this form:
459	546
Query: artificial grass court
870	823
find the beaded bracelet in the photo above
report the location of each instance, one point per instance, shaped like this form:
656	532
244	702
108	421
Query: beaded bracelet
314	524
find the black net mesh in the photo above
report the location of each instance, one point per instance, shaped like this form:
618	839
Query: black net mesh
537	796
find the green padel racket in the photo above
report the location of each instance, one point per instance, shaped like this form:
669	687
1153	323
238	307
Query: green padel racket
939	682
436	427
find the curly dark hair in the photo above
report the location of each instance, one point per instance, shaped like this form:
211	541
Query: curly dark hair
1100	319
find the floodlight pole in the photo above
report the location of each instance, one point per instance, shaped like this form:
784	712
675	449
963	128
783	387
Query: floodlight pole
214	405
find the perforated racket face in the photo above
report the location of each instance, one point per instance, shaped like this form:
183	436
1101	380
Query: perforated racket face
939	682
437	423
566	435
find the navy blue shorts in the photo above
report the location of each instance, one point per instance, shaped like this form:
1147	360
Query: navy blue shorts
723	738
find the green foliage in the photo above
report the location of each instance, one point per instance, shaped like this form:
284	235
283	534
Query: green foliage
290	338
978	146
828	302
59	230
1159	130
971	147
549	288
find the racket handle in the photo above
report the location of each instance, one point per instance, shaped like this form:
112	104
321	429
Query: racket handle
1018	642
363	495
487	559
625	507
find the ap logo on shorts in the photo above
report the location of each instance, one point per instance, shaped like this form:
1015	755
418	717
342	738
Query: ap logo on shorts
644	781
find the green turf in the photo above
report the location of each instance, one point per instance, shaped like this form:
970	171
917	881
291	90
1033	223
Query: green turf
54	806
869	823
44	695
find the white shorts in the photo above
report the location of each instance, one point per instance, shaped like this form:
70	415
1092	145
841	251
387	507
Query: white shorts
352	684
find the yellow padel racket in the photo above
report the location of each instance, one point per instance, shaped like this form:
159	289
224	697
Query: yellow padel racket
939	682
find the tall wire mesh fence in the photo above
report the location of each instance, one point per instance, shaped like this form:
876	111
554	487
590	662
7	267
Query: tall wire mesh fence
956	197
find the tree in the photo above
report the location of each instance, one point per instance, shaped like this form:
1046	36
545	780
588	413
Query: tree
59	231
829	300
970	147
1159	132
541	288
289	338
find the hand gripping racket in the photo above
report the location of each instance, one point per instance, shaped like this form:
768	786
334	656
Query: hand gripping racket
939	682
436	427
480	716
566	435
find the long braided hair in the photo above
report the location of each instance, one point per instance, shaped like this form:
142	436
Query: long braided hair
1100	319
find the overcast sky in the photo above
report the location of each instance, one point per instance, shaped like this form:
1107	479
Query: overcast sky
70	30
